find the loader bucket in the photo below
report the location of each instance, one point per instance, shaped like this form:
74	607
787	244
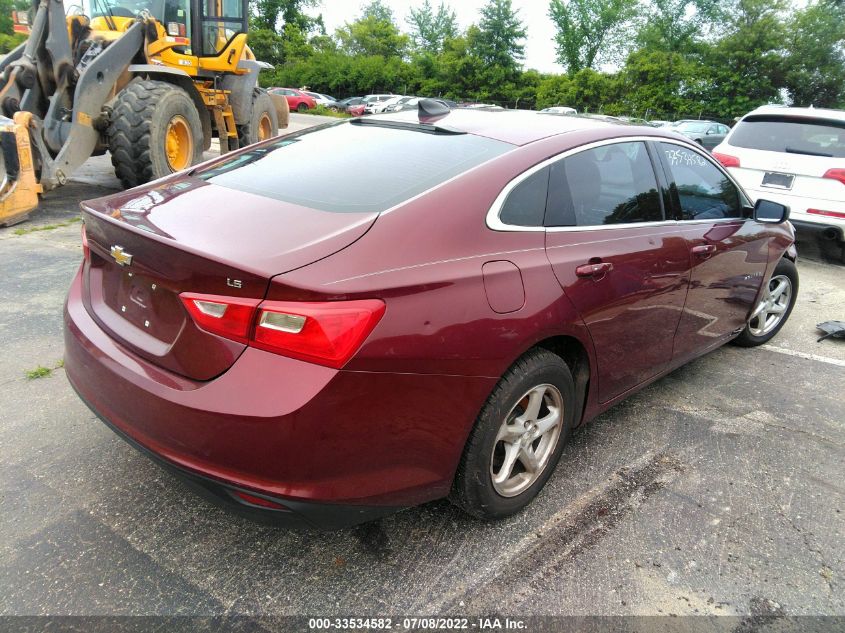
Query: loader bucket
19	188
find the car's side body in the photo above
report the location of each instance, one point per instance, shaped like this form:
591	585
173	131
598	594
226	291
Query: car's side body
466	295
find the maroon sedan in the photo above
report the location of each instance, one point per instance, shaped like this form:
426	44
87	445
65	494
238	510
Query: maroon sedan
315	345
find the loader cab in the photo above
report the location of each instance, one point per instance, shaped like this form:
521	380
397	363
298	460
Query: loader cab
210	24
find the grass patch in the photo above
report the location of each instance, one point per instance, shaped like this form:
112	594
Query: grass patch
38	372
47	227
43	372
324	111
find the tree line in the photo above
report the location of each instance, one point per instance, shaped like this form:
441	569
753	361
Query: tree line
671	58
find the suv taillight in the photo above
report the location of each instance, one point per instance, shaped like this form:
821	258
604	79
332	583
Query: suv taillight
326	332
835	174
726	159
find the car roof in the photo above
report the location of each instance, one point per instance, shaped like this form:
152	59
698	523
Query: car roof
815	113
518	127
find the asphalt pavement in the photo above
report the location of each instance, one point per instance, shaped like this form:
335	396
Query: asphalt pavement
717	490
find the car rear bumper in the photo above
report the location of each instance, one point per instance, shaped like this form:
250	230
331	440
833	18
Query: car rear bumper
303	435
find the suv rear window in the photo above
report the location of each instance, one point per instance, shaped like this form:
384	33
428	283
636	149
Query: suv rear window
793	135
352	167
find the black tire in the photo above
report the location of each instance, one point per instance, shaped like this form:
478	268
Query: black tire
138	126
302	107
263	112
751	338
473	489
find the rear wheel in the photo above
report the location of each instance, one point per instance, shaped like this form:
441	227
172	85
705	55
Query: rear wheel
263	122
518	437
774	307
154	130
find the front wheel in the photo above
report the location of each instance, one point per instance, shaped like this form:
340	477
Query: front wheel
154	130
518	437
774	307
302	107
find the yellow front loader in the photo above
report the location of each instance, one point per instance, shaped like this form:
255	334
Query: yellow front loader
150	81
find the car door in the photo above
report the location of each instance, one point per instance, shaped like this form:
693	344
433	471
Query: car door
728	251
617	258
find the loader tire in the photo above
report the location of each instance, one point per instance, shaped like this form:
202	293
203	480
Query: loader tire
154	130
263	122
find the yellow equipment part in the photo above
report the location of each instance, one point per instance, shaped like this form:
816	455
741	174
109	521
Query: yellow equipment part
19	189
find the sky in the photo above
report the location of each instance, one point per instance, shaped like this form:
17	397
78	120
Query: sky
539	45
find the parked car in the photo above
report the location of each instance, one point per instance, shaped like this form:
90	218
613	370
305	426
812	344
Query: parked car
370	100
413	104
356	110
795	156
634	120
659	123
315	344
378	106
708	134
297	99
330	103
559	110
351	101
398	104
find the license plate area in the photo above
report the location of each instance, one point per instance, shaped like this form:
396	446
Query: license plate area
142	302
777	180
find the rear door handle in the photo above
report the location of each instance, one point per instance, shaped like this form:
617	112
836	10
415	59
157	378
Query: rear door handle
704	250
594	270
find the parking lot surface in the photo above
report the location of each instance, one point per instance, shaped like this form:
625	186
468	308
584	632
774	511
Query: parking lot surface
716	490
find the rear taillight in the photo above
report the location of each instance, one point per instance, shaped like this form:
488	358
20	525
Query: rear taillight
726	159
86	250
230	317
835	174
327	333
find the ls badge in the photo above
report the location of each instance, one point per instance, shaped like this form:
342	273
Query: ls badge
120	256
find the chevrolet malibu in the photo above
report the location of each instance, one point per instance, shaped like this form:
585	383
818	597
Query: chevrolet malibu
314	345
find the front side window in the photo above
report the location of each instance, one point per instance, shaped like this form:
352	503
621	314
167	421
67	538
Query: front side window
704	191
611	184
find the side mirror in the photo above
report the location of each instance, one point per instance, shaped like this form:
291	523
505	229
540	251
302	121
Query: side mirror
770	212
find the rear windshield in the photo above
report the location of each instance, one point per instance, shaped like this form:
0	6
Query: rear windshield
353	167
791	135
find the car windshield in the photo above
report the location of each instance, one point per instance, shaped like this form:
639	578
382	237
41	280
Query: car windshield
793	135
692	126
312	169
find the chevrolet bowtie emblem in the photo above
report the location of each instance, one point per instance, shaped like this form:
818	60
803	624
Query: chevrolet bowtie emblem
121	256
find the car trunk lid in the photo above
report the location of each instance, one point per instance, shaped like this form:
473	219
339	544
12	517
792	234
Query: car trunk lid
180	235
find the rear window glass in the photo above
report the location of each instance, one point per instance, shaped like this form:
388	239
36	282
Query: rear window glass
791	135
351	167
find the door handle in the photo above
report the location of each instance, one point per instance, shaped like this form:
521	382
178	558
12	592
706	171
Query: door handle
704	250
594	270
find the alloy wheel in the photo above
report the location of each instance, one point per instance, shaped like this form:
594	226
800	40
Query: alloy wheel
773	305
526	440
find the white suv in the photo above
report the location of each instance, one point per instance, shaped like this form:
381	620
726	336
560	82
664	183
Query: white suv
795	156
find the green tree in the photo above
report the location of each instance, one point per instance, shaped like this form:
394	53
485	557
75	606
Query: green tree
430	28
677	26
498	41
375	33
815	64
589	31
271	14
745	68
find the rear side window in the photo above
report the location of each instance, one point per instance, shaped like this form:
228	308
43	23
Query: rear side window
611	184
526	204
791	135
704	191
348	168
